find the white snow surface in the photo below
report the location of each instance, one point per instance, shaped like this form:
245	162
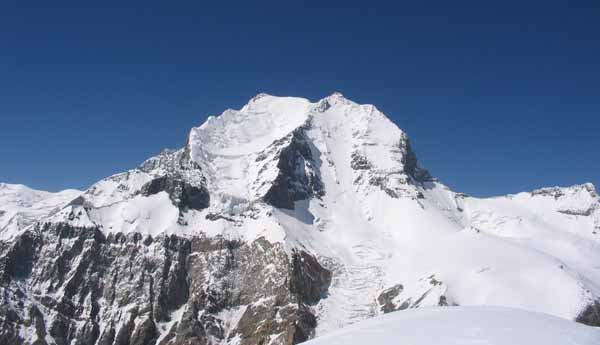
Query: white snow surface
20	206
463	326
376	226
227	145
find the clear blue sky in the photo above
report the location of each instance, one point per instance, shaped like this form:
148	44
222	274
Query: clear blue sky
497	97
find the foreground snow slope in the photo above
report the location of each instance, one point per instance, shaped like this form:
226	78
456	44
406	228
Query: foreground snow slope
463	326
20	206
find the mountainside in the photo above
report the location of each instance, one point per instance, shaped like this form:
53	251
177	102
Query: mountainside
463	325
282	221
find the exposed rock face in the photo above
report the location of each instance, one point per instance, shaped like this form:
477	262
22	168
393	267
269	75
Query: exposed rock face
396	182
386	298
183	195
359	162
591	315
298	177
79	286
429	292
410	162
180	177
177	165
309	280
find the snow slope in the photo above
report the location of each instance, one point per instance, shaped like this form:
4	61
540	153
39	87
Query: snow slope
463	326
20	206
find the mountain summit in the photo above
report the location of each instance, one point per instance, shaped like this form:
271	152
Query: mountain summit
282	221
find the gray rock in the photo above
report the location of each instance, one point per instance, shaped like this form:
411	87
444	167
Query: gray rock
411	164
386	298
122	285
298	177
359	162
590	315
309	279
183	195
145	333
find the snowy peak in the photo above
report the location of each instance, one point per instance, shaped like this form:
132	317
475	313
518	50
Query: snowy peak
20	206
579	200
335	98
289	218
273	152
239	149
266	118
552	207
248	130
586	191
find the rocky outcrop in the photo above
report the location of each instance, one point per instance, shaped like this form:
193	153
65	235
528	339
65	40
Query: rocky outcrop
183	195
410	162
298	177
180	177
429	292
590	315
309	281
359	162
387	296
396	182
79	286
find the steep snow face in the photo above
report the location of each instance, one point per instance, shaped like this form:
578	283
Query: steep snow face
20	206
463	325
228	146
248	130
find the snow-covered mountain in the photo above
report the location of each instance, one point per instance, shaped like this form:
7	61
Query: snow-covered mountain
463	325
284	220
20	206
